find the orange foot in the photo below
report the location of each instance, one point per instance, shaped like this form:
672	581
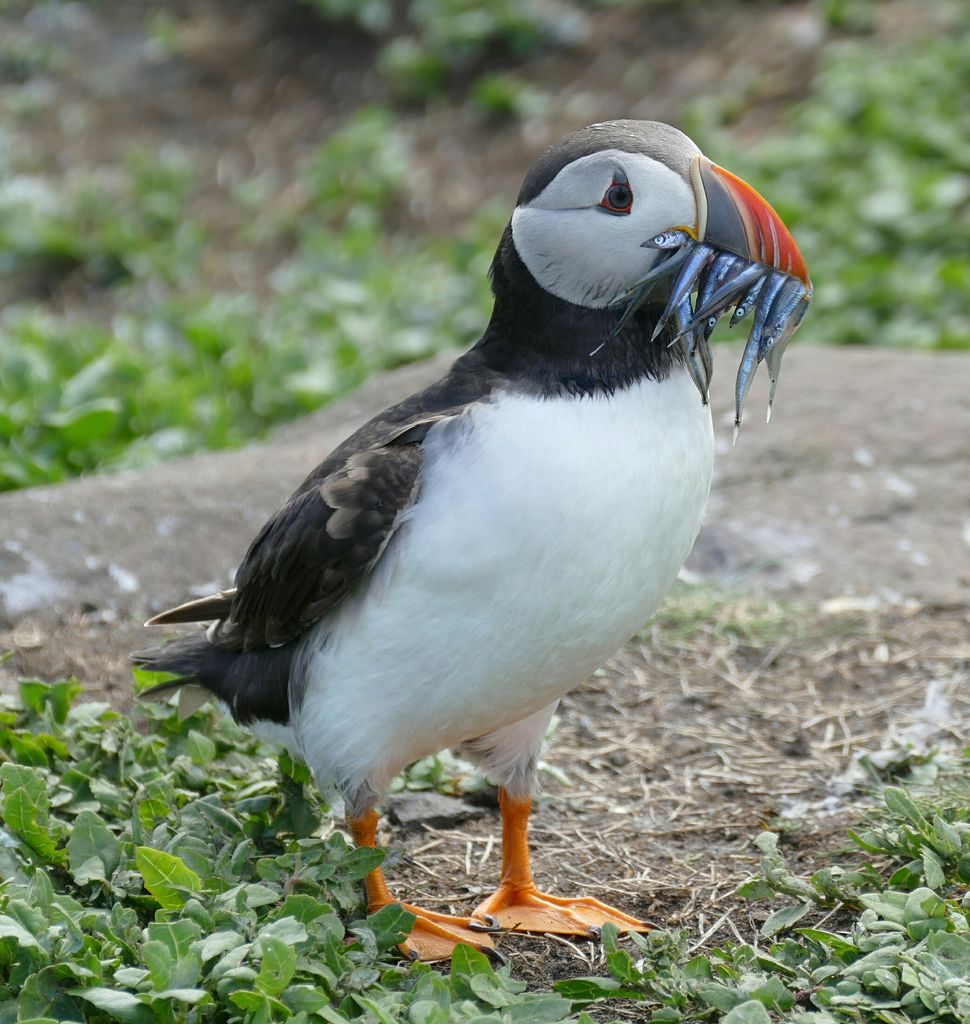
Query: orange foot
434	936
519	906
526	909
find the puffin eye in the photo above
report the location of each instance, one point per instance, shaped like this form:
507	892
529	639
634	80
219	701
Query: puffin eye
619	196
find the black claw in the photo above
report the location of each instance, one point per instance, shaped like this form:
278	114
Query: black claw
495	956
489	923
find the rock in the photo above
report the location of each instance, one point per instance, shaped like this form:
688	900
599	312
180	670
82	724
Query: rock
859	487
411	810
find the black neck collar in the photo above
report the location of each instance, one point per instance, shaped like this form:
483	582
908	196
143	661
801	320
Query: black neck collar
545	342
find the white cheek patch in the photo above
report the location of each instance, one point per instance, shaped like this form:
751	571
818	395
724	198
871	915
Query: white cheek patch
587	255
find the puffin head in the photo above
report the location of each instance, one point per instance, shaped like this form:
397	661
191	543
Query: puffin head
590	205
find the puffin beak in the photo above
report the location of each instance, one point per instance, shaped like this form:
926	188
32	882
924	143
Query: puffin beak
739	253
733	217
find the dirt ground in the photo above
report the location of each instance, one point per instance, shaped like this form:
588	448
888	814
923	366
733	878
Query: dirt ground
730	712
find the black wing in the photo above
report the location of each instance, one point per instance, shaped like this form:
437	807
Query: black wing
318	546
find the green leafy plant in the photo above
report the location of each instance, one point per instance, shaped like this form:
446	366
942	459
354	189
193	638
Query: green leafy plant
164	874
872	173
433	39
137	226
176	870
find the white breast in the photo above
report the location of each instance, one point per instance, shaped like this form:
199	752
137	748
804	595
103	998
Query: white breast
546	533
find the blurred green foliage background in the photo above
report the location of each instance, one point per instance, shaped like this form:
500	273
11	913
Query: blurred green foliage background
159	295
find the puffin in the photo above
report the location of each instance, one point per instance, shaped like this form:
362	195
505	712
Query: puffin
471	554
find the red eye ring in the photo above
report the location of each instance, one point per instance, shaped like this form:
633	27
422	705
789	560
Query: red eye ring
618	197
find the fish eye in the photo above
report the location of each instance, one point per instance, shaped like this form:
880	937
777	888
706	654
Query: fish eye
619	196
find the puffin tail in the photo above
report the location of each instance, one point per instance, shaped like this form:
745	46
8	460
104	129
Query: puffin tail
254	684
185	658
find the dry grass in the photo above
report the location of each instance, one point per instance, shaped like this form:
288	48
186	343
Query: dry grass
724	715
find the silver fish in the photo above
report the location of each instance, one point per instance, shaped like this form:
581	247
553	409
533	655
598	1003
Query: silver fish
695	263
635	298
681	316
718	300
748	300
667	240
784	304
708	282
774	354
753	351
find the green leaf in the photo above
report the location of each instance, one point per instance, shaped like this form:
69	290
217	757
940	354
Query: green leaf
87	422
933	869
901	803
58	697
61	696
11	929
26	811
307	999
122	1006
33	694
294	769
166	876
948	840
218	943
390	925
43	995
177	936
359	863
751	1012
130	977
588	990
157	957
286	929
220	818
774	995
840	946
755	889
467	961
93	852
721	997
784	918
489	991
277	968
888	905
201	749
260	1005
192	996
304	908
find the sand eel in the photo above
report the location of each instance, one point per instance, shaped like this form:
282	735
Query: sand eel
471	554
